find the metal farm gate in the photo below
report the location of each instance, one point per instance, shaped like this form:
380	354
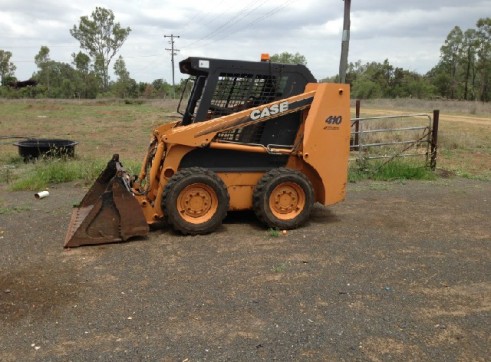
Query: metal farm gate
395	136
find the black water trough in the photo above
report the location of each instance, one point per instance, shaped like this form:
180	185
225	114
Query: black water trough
45	147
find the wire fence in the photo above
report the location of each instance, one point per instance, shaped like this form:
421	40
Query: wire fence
394	137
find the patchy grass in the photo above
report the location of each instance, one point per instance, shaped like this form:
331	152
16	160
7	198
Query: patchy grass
394	170
401	170
464	140
105	127
102	128
41	174
5	210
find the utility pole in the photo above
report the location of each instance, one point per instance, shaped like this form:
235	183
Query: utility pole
343	64
173	51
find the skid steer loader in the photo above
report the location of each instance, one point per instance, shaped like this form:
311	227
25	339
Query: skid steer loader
253	135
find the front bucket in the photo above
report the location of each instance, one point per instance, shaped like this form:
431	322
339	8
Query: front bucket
108	213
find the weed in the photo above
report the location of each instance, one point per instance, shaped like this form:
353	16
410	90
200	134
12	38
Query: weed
378	186
402	170
9	169
7	174
4	210
394	170
134	101
484	176
273	232
12	160
53	171
279	268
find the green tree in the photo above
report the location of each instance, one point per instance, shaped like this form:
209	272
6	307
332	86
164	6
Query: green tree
369	80
365	88
64	80
451	58
88	84
102	38
120	69
124	86
81	62
382	80
55	79
468	61
483	66
7	68
289	58
42	61
161	88
464	70
42	57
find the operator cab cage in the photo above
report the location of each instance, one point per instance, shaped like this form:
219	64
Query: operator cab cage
221	87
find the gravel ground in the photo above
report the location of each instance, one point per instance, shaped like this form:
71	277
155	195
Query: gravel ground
399	271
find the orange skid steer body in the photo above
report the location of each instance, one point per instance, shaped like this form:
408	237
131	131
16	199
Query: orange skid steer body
254	135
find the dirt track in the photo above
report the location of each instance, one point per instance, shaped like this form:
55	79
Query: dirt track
472	119
399	271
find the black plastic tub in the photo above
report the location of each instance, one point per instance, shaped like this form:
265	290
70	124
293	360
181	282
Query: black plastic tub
45	147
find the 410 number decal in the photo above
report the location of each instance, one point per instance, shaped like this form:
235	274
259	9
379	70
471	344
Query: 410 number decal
334	120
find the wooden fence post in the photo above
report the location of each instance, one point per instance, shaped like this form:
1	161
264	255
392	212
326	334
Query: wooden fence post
434	139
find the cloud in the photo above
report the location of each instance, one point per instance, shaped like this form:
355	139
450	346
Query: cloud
408	33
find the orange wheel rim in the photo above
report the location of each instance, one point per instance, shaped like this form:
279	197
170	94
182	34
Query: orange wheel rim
197	203
287	201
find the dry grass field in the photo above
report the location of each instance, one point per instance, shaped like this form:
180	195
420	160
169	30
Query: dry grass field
104	127
101	127
464	143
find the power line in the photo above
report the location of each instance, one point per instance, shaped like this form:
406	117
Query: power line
236	17
38	46
200	14
268	14
173	52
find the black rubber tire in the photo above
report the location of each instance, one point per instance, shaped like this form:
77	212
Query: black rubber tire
184	183
288	179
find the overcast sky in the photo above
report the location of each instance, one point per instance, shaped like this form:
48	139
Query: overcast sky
408	33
